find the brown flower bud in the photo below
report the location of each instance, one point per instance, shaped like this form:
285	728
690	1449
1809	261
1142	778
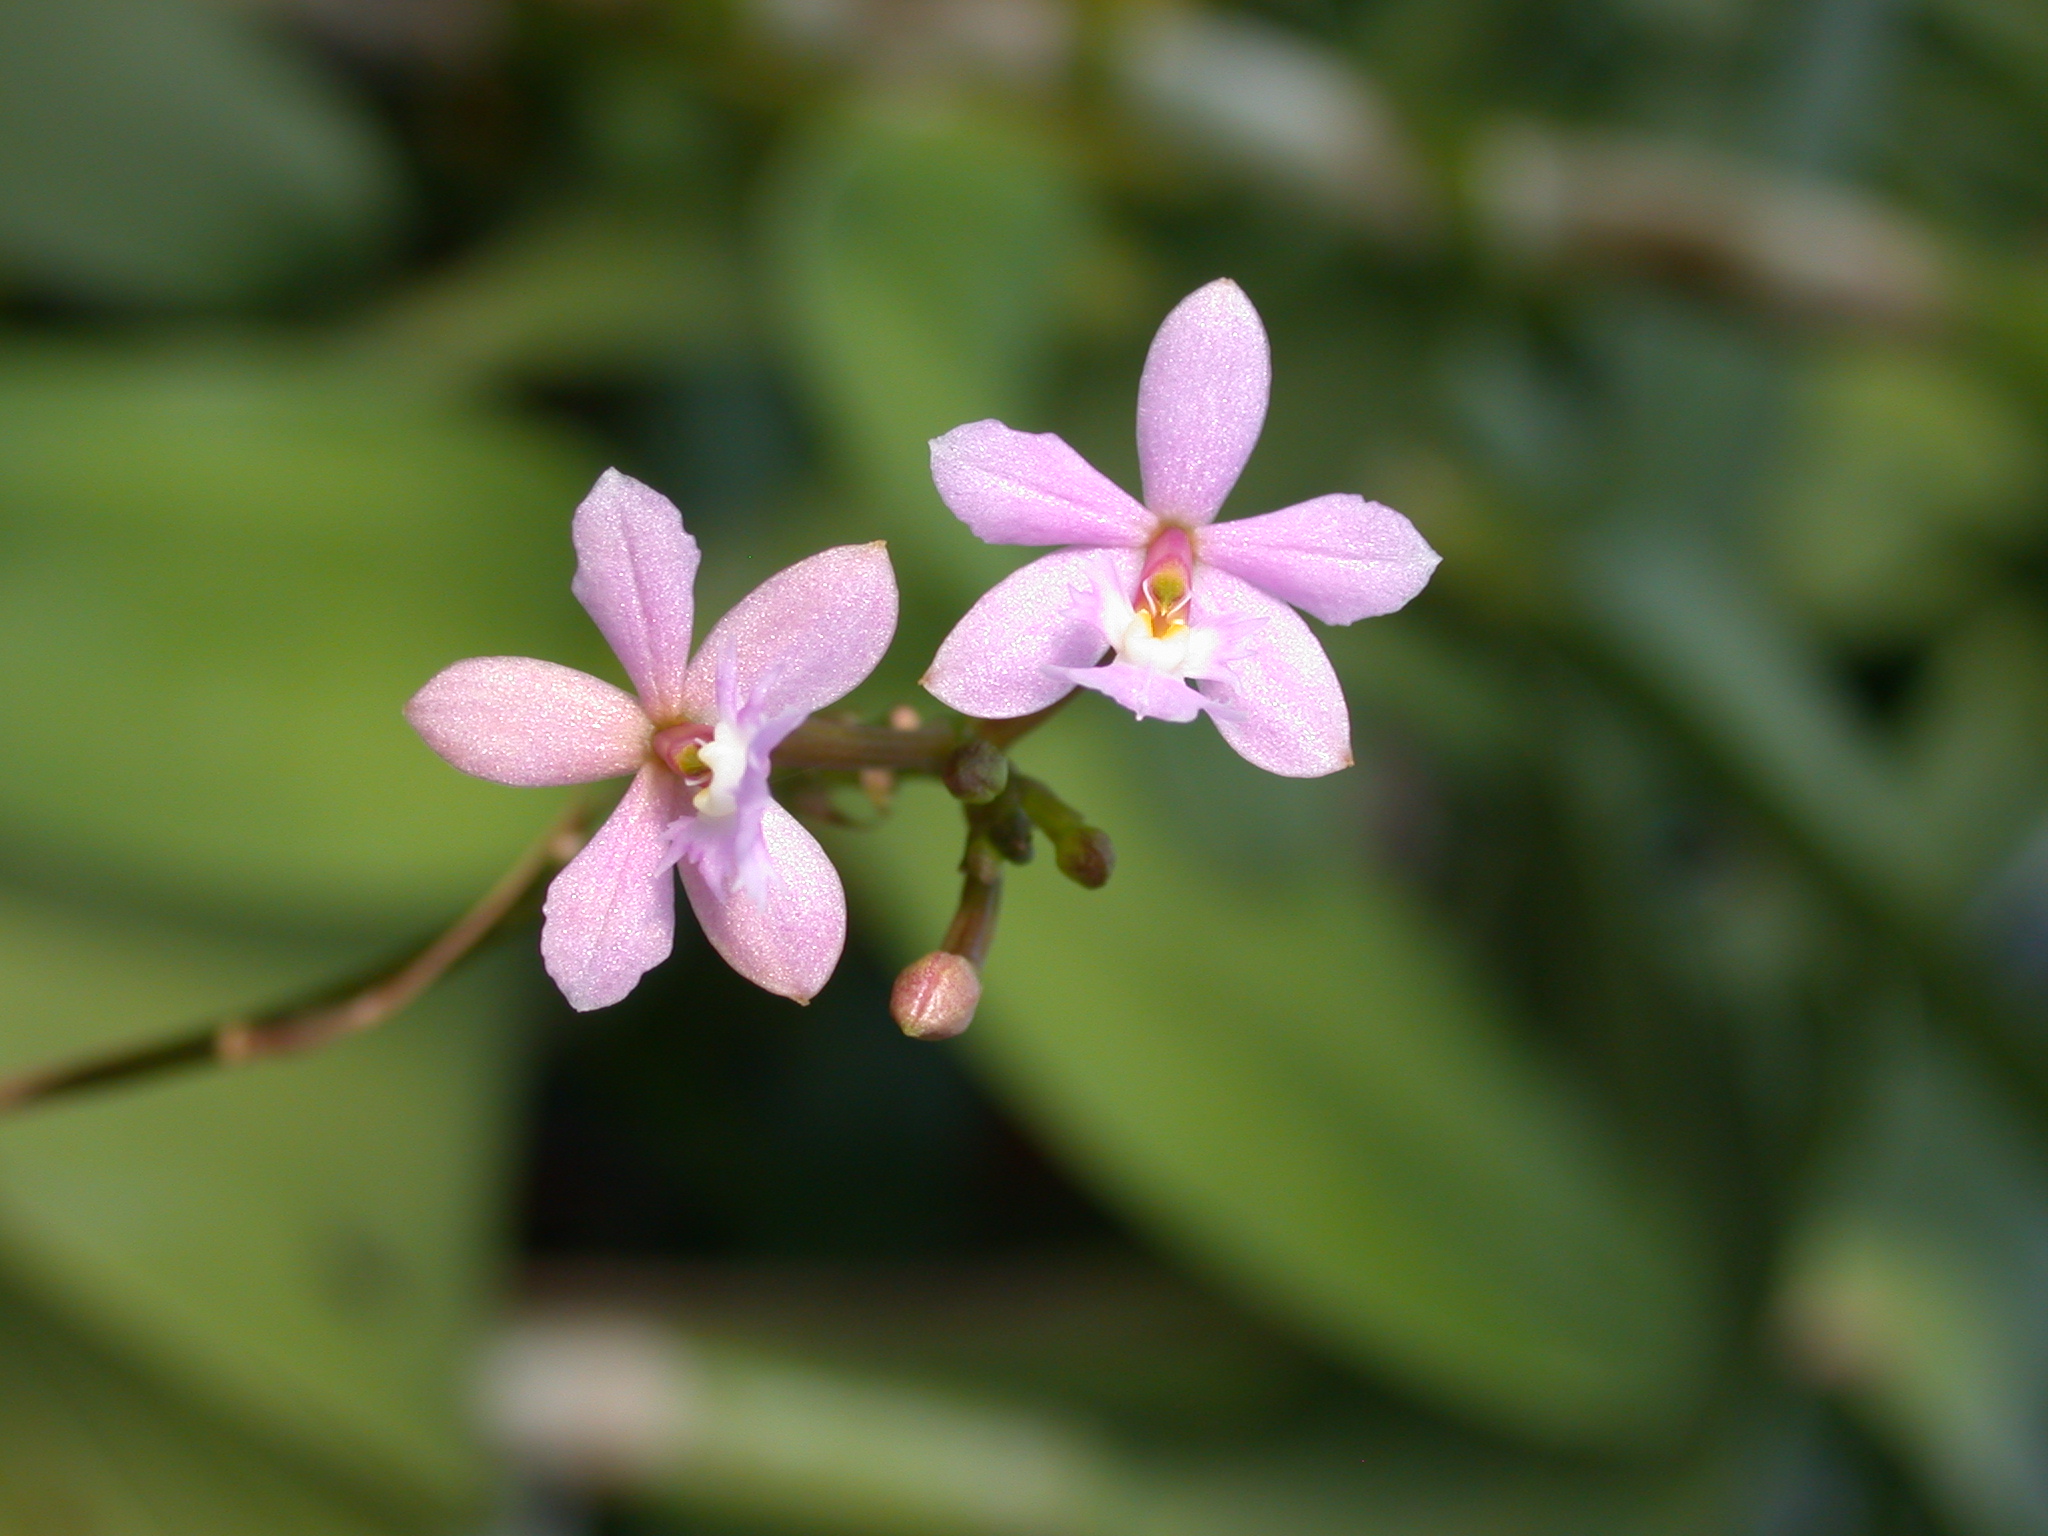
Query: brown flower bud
1011	834
1086	856
935	998
977	773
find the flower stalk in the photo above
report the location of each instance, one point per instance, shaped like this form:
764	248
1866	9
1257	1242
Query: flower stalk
968	757
833	744
307	1024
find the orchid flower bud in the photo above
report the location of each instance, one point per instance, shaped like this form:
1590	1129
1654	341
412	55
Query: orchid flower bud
977	773
935	998
1011	834
1086	856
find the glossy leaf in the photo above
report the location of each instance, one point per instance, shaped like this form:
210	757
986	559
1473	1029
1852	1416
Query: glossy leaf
1305	1086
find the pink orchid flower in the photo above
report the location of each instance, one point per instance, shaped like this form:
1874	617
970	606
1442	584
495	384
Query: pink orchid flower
1192	614
696	739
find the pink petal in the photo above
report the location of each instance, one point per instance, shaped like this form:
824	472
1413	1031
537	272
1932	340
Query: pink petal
789	940
1010	654
1201	401
521	721
1147	694
1277	701
635	567
1341	558
804	637
611	915
1031	488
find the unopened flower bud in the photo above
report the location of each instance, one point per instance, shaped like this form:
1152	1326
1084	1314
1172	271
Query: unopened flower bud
935	998
1086	856
1011	835
977	773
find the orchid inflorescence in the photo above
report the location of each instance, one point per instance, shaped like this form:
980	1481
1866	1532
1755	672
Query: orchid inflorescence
1153	604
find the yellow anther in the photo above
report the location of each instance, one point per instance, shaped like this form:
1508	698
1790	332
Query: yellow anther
1165	601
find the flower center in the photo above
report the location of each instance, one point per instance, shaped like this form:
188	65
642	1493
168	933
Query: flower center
1145	644
725	755
1158	636
709	760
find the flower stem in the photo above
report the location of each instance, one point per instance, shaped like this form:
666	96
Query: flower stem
306	1025
1001	733
824	744
956	753
973	927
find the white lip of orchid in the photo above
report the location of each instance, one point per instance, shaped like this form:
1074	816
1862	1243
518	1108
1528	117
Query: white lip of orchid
1182	651
1166	653
725	755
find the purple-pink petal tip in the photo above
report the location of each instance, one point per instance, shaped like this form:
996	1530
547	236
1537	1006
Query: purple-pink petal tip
1201	401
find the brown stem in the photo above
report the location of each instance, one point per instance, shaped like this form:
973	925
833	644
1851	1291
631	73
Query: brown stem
1001	733
973	927
820	743
831	744
845	746
306	1026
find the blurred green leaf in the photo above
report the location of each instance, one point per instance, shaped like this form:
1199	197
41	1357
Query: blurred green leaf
1904	471
222	573
1750	691
1974	733
2010	33
305	1246
1909	830
1302	1083
922	260
161	151
1281	111
1128	1341
777	1442
88	1447
573	293
1913	1285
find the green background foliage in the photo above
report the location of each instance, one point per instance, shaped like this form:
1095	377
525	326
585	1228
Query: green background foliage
1617	1104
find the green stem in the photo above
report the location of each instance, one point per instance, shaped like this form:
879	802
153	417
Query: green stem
1048	812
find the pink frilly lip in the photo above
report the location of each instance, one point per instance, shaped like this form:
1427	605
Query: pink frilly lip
762	888
1201	404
